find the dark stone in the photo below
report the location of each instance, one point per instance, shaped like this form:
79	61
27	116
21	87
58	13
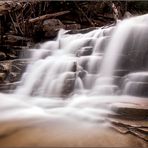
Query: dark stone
72	26
5	66
69	84
82	73
38	33
130	110
74	67
2	56
11	56
84	51
51	27
83	62
8	87
15	40
13	77
12	70
19	65
2	77
83	31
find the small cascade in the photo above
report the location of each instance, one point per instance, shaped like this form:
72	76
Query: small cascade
64	63
94	62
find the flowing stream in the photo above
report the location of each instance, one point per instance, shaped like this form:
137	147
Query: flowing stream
75	75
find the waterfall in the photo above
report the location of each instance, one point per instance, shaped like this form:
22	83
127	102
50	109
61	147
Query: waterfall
75	73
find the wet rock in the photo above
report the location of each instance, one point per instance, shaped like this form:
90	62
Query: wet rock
13	77
130	110
127	14
51	27
15	40
84	51
8	87
12	55
83	62
69	84
82	73
25	54
12	70
19	65
2	56
5	66
72	26
74	67
83	31
2	77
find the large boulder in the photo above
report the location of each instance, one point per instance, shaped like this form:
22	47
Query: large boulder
130	110
51	27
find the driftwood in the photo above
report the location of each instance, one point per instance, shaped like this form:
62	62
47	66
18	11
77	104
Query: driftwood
47	16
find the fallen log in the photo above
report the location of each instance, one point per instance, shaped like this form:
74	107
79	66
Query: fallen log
15	40
47	16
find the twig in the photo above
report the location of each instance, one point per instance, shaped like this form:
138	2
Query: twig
47	16
13	23
19	25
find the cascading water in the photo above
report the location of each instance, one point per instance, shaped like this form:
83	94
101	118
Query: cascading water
75	74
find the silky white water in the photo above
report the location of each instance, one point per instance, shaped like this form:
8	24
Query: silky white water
73	76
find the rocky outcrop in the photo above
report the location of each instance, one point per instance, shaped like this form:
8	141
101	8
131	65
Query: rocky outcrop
11	72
